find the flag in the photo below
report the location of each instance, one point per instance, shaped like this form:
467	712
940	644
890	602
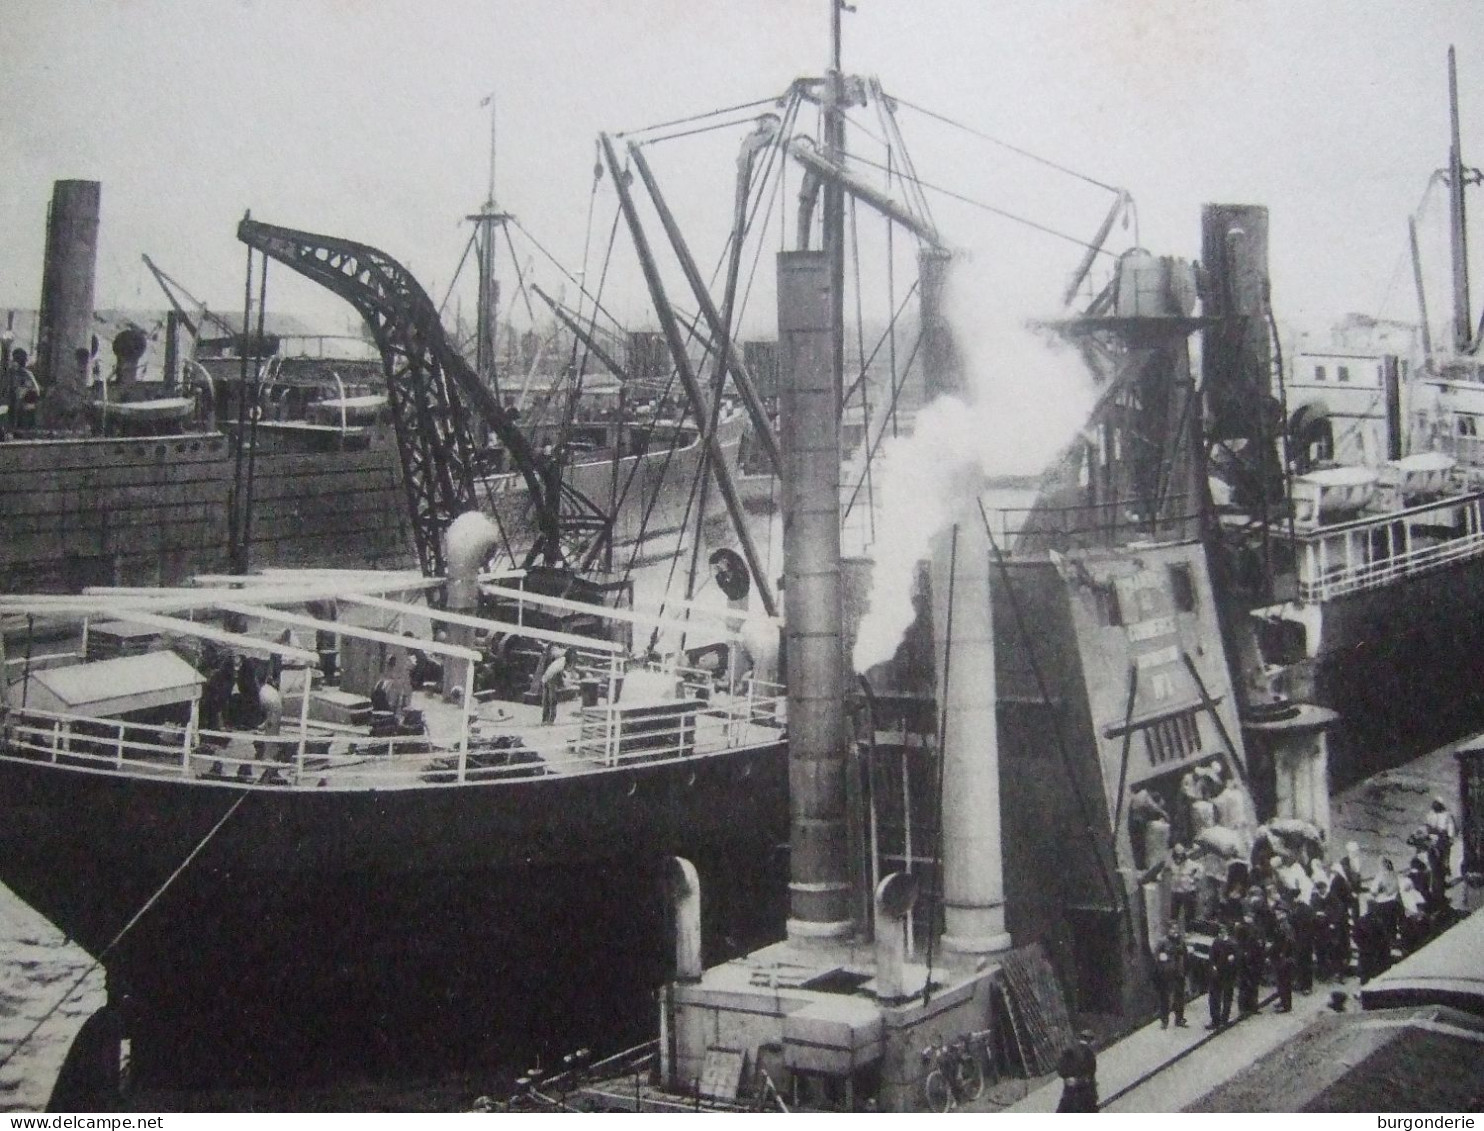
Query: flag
487	99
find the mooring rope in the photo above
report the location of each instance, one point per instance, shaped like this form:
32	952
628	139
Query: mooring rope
124	930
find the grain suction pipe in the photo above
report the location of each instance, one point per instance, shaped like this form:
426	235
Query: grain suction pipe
821	895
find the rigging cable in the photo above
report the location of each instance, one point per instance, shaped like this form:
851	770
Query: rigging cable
891	409
698	130
1004	144
789	118
571	278
1058	738
257	411
772	100
775	151
457	271
993	209
893	129
124	930
580	369
860	348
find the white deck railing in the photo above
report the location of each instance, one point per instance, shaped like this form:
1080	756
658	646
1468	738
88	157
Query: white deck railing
326	756
1373	552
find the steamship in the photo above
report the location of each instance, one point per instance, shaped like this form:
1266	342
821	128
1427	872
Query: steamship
1376	567
981	862
387	873
142	484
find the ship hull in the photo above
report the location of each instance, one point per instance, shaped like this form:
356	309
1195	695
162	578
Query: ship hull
391	931
154	510
1403	665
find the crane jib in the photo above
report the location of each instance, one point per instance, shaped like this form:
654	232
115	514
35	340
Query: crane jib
431	390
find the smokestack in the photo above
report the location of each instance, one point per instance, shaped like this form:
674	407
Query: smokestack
973	870
66	322
821	904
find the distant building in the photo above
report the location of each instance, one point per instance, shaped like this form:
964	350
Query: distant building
1338	408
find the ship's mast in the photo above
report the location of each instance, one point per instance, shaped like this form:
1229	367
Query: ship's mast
488	219
1463	332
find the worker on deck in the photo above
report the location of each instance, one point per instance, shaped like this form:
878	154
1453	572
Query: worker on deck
556	662
1078	1069
25	391
394	690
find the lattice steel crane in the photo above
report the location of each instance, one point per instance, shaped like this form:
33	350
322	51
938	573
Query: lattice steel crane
433	394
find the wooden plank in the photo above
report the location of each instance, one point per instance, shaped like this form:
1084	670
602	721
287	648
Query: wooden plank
1037	1008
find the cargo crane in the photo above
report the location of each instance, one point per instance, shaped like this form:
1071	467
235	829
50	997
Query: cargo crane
434	396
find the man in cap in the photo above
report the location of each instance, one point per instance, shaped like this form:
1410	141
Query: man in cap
1222	980
1251	955
1078	1069
1281	952
1169	977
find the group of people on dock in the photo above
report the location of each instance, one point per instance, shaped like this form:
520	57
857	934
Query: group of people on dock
1287	916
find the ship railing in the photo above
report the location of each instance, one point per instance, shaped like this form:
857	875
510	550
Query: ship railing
1373	552
101	743
17	667
609	734
1111	523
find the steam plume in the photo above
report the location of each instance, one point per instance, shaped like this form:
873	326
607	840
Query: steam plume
1025	397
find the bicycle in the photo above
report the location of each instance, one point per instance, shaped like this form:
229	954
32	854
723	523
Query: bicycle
957	1073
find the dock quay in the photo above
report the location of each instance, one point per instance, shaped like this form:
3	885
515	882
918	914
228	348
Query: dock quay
1155	1069
1152	1068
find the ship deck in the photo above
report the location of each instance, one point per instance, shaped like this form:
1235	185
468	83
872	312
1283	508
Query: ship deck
615	712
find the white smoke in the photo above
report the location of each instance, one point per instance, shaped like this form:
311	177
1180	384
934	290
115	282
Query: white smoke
1026	396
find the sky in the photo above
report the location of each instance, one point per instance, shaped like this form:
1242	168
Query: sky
362	118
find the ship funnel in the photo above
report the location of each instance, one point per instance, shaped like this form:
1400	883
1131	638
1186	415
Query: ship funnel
821	902
66	322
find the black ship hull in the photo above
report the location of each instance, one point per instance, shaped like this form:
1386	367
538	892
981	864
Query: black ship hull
395	931
1402	665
